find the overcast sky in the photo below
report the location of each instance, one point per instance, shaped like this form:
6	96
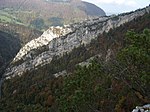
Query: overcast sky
119	6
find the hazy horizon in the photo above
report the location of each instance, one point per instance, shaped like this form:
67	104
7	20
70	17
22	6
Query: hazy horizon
119	6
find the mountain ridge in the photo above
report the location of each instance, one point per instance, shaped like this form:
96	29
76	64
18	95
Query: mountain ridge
53	13
81	33
39	89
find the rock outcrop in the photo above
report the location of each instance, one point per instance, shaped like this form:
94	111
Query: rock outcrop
59	40
145	108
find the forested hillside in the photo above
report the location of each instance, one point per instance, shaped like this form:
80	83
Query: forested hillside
117	80
41	14
23	33
9	47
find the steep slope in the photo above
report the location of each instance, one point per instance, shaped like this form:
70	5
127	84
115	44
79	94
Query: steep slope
9	46
79	34
12	38
36	90
24	34
43	13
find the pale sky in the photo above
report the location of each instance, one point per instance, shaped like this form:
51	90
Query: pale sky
119	6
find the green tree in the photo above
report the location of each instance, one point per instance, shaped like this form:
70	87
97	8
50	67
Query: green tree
82	90
134	63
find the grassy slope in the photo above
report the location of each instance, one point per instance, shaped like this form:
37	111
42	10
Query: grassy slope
6	17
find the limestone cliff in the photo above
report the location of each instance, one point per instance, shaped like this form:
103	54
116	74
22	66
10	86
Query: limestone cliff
58	40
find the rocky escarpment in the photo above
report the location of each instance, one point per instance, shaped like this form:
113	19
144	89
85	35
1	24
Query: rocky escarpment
53	42
44	39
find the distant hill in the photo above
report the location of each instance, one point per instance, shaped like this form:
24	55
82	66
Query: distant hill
44	13
93	10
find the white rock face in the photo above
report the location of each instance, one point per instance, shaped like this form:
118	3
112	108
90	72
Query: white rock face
145	108
45	38
62	73
88	61
63	39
